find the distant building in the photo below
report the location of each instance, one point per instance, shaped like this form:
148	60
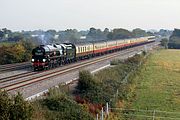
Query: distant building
6	36
83	37
56	36
34	35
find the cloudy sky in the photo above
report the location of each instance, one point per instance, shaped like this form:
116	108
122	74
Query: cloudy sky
83	14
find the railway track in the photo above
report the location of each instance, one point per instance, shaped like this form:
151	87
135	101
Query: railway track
16	66
51	74
21	75
21	80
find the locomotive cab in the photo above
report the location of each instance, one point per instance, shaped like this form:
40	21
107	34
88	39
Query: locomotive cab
69	52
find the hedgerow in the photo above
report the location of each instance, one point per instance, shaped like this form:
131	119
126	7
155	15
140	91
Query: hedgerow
110	85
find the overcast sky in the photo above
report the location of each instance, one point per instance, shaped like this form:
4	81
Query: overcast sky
83	14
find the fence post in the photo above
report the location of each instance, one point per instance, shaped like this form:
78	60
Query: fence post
102	114
107	109
97	117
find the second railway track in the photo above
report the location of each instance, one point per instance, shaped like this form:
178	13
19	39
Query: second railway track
16	66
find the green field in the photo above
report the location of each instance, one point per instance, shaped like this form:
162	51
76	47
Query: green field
158	86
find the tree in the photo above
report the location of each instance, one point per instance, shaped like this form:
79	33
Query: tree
110	35
6	31
28	47
18	52
1	34
164	42
92	32
176	32
97	34
150	34
120	34
86	81
164	33
92	35
5	55
13	54
139	32
15	37
106	31
49	36
69	35
174	40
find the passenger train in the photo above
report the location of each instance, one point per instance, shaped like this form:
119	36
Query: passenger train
49	56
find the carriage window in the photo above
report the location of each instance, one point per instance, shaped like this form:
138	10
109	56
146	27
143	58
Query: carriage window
78	49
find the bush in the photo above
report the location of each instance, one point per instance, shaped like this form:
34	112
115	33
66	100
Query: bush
86	81
5	105
116	62
62	107
14	108
20	109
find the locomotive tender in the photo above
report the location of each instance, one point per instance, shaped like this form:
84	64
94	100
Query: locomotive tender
48	56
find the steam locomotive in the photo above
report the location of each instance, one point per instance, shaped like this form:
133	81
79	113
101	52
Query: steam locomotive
49	56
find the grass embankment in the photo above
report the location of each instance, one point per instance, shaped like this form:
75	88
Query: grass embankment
109	85
158	85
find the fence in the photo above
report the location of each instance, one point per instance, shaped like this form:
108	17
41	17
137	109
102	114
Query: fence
138	114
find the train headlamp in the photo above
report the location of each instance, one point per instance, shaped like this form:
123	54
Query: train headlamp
44	60
32	60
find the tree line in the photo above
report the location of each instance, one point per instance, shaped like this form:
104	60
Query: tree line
17	46
75	36
70	35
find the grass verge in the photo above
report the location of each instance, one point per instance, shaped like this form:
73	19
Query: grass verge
158	84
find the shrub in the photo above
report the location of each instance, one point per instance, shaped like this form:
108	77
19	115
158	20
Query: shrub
5	105
20	109
86	81
116	62
14	108
62	107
